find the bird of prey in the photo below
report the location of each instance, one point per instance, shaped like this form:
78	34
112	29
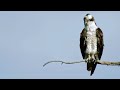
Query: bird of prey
91	42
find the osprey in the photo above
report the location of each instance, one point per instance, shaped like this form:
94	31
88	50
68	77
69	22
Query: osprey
91	42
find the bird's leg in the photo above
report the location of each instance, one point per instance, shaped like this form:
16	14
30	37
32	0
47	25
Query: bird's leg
93	58
96	57
88	58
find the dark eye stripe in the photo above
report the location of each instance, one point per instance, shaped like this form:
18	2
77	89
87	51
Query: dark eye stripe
91	19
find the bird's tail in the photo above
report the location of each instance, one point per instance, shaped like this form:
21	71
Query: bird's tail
91	67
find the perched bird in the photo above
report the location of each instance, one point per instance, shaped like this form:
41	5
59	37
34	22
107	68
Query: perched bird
91	42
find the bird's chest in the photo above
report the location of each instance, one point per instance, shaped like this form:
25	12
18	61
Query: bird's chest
91	41
91	36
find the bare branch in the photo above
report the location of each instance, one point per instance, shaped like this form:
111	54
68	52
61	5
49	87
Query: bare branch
98	62
108	63
62	62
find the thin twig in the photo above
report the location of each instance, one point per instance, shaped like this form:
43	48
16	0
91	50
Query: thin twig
98	62
62	62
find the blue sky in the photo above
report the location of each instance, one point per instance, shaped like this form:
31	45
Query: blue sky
28	39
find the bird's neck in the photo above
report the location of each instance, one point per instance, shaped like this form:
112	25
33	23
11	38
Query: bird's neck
91	26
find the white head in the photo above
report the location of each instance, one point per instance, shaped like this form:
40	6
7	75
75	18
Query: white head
88	18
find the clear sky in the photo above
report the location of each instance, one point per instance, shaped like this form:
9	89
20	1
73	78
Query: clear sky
28	39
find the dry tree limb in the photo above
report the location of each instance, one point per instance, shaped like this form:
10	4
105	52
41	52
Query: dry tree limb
98	62
62	62
108	63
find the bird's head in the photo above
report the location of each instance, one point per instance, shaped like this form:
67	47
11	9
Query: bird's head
88	18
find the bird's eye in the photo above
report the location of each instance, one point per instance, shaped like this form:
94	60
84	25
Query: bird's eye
91	19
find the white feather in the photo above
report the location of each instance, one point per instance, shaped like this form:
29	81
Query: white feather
89	16
92	26
91	38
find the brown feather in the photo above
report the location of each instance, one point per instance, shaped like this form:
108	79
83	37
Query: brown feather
100	42
83	42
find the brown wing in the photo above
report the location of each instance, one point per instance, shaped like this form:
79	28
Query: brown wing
100	42
83	42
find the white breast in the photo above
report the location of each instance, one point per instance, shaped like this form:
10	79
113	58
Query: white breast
91	39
